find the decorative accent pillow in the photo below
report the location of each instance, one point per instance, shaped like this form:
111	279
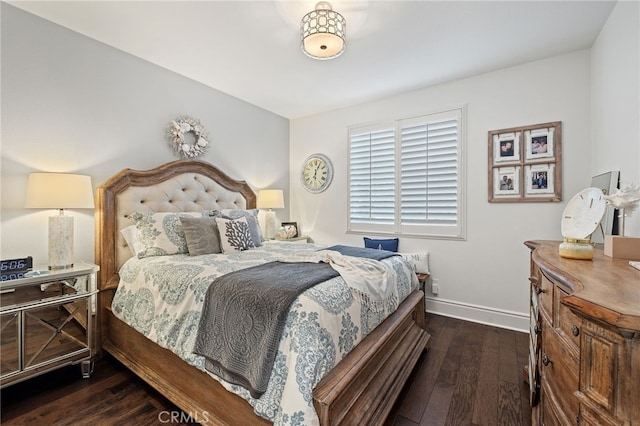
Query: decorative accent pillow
389	244
130	234
235	234
202	235
252	220
419	262
161	234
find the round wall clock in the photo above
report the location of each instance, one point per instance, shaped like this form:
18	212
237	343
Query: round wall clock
580	218
316	173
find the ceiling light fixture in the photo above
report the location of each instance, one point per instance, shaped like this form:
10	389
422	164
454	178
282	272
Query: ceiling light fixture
323	32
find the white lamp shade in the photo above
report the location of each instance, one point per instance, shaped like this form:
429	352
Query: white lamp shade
270	199
59	191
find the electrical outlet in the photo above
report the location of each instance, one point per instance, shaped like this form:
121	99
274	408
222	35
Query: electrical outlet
434	286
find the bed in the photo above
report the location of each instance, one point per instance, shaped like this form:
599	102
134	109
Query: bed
361	388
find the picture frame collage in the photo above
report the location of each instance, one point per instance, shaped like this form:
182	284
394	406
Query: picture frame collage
525	164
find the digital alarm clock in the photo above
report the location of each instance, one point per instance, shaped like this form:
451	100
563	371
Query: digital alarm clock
14	269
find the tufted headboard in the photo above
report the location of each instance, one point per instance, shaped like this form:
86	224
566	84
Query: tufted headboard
178	186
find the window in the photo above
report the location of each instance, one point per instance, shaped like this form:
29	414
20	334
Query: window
405	177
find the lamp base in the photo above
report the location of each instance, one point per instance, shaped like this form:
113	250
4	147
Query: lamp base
270	225
60	242
620	247
576	250
55	268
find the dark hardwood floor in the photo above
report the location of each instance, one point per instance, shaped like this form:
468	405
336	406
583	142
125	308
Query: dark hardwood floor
471	375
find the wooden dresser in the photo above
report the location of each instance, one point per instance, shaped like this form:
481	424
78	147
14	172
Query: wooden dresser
584	361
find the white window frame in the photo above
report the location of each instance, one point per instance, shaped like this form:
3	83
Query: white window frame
418	230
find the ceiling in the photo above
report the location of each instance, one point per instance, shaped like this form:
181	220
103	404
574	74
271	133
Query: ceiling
251	49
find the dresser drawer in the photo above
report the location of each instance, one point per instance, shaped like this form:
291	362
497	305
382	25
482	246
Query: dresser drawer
592	418
565	320
559	372
584	339
603	357
550	413
545	297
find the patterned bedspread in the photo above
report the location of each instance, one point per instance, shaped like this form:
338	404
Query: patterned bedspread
162	296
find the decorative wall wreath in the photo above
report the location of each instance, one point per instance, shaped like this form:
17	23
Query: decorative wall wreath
182	127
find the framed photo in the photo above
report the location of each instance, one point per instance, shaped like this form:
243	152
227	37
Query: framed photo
539	144
524	163
506	147
506	181
291	228
540	179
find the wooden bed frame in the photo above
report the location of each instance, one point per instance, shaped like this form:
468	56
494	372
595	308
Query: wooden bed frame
360	389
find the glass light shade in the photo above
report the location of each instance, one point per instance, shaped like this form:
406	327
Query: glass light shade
270	199
323	32
59	191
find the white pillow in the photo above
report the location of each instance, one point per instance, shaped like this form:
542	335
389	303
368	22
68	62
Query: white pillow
252	219
419	262
130	234
161	234
235	234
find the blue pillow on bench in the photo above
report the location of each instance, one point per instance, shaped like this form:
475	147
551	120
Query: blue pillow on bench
388	244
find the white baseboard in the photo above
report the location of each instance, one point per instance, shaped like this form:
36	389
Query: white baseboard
480	314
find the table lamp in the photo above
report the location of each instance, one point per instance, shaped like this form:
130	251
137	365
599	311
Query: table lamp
59	191
270	199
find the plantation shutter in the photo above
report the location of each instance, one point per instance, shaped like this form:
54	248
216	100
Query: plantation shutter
429	173
372	178
405	177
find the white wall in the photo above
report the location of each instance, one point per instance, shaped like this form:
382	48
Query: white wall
71	104
485	277
615	99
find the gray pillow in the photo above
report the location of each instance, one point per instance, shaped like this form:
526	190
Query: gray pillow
202	235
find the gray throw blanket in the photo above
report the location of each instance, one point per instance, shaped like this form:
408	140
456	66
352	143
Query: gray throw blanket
244	314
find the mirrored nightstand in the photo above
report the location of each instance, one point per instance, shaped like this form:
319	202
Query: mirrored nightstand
47	321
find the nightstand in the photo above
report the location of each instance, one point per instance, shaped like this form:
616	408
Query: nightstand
301	239
48	321
422	279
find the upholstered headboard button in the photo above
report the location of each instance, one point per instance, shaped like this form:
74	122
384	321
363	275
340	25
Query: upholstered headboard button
186	192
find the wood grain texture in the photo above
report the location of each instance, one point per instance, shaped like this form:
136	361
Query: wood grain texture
470	348
604	289
116	396
364	385
419	392
112	396
486	395
107	232
589	360
457	381
522	162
